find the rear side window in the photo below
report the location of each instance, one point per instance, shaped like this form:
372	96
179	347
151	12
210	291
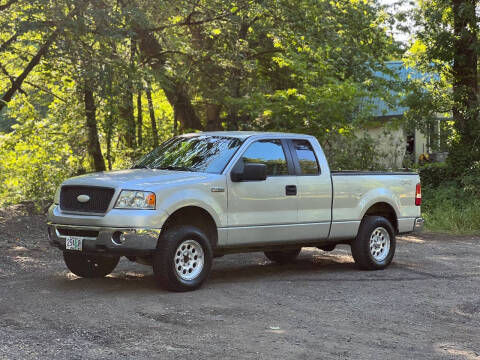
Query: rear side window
306	157
270	153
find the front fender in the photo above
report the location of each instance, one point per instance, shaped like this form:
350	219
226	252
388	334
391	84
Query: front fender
213	203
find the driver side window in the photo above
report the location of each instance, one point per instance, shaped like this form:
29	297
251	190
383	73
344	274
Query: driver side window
267	152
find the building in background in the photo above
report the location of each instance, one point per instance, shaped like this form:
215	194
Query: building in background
403	146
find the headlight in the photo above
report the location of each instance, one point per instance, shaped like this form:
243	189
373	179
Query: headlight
131	199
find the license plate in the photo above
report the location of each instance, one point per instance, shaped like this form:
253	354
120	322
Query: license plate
73	243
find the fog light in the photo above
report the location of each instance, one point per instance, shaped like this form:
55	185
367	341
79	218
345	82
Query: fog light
118	238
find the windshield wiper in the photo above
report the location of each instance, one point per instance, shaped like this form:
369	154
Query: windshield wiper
170	167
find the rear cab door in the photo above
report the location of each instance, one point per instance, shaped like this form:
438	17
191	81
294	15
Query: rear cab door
314	188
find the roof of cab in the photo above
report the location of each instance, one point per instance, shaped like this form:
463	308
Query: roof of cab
244	134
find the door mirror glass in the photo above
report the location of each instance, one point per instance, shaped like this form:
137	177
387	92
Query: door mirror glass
250	172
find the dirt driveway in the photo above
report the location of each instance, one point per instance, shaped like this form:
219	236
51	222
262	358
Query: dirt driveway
425	306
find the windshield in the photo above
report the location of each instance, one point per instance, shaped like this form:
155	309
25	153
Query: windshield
202	153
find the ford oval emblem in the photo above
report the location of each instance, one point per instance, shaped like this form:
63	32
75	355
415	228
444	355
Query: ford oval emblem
83	198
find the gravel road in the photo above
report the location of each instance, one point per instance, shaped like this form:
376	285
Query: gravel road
426	305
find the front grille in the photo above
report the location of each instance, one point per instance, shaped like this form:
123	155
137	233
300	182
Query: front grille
76	232
100	198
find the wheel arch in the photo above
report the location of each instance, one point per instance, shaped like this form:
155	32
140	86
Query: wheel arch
196	216
383	209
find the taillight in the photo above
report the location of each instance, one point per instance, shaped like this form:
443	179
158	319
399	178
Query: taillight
418	195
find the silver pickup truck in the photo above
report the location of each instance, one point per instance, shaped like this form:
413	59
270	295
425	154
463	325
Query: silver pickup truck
202	195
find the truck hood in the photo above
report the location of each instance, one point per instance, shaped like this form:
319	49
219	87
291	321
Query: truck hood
138	179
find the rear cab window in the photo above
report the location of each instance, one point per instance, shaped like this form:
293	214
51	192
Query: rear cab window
306	159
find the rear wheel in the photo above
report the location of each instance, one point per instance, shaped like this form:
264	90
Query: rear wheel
374	247
90	266
284	256
183	258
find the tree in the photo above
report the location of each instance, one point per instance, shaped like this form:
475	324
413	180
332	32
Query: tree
447	42
80	68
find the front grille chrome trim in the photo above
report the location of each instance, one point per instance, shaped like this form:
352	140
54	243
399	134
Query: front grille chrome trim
100	199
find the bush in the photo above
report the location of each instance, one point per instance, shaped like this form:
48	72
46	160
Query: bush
448	208
435	174
471	180
33	164
351	153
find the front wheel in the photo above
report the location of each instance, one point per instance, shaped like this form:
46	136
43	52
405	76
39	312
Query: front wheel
374	247
90	266
183	258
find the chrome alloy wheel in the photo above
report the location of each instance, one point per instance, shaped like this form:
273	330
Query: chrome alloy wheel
189	260
380	244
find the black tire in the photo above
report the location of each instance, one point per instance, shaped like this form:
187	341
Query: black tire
284	256
164	259
90	266
361	251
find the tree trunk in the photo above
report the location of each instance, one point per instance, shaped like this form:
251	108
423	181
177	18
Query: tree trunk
465	149
126	116
152	115
126	107
209	80
175	123
109	149
94	149
110	118
233	119
213	117
139	119
184	111
17	84
175	91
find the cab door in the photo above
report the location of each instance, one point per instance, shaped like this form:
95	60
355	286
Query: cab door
314	192
264	211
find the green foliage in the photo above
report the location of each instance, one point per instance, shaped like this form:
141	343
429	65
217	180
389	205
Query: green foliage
31	169
301	66
352	153
471	180
448	208
451	203
446	43
435	174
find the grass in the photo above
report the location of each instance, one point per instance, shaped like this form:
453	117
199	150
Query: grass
449	209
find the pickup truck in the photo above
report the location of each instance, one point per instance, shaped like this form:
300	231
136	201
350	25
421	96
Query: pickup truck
202	195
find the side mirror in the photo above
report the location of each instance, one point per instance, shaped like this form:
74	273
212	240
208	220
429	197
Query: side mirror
251	172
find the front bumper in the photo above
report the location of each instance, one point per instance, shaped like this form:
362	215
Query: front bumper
418	225
101	240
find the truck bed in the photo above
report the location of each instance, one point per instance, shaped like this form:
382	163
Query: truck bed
356	192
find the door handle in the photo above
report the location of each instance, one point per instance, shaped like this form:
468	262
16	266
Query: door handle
291	190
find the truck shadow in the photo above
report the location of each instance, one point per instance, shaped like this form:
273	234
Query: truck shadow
121	282
312	265
230	269
264	269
